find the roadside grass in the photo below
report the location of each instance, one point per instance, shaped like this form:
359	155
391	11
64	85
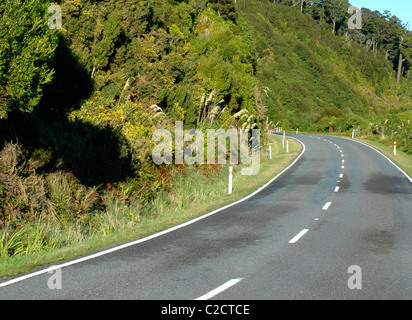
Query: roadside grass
193	196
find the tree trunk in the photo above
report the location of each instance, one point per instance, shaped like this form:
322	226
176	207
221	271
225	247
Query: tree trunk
94	69
398	79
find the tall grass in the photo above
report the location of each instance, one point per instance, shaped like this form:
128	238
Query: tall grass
32	238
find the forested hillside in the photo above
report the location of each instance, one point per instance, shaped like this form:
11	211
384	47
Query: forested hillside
79	105
303	70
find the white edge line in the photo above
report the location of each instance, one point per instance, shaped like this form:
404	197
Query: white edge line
393	163
220	289
298	236
155	235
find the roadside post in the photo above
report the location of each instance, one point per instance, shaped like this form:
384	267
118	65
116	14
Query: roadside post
230	179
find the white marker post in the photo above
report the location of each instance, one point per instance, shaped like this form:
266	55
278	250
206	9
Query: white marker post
283	143
287	146
353	133
230	180
270	152
283	134
297	130
394	148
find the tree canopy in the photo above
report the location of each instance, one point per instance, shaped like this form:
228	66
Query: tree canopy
27	48
289	60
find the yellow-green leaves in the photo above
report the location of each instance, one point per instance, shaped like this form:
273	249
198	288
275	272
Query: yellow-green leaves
26	51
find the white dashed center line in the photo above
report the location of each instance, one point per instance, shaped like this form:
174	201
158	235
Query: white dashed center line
326	206
220	289
298	236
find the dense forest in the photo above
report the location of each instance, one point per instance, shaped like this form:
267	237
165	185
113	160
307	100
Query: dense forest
79	105
296	62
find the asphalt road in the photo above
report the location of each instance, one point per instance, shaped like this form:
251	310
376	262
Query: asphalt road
336	225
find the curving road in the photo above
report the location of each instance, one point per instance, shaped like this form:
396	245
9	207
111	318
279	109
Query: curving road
336	225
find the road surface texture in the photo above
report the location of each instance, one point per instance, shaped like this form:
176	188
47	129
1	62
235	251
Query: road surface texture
336	225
